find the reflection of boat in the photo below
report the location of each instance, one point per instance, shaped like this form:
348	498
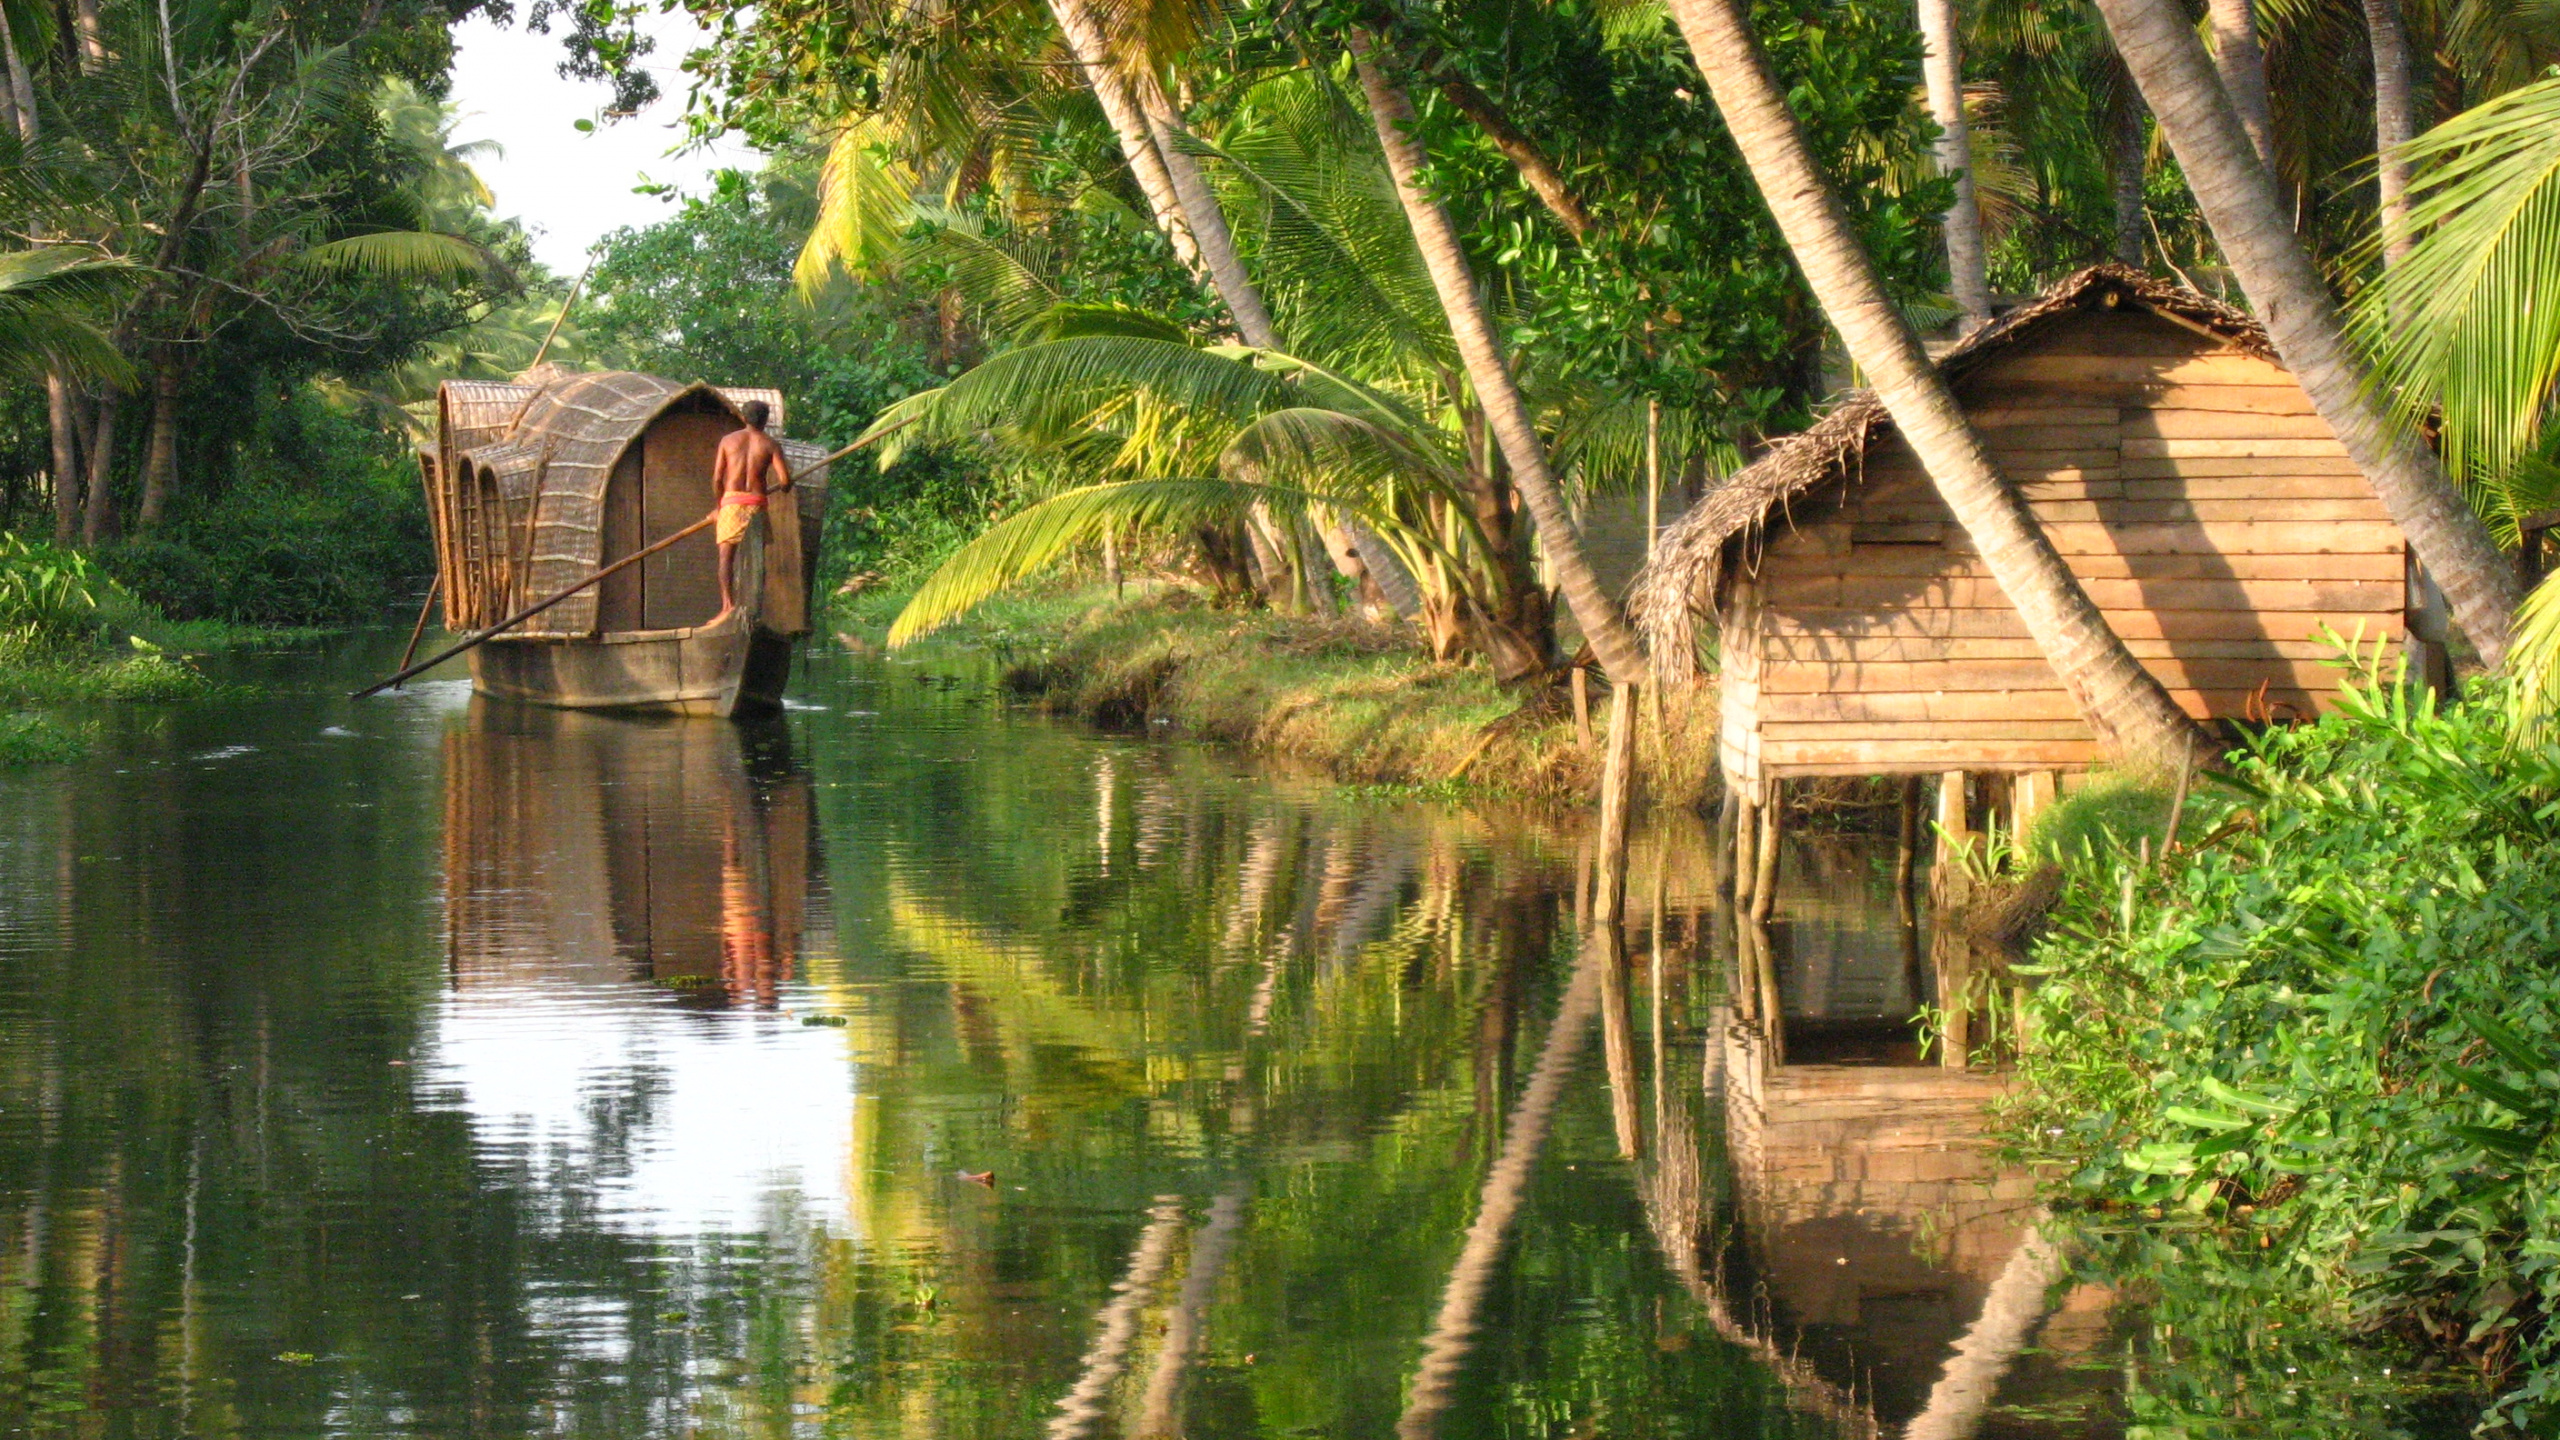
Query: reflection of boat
584	846
534	487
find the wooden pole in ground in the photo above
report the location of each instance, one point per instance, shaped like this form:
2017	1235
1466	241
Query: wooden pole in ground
1582	704
1617	793
1764	884
435	587
1906	850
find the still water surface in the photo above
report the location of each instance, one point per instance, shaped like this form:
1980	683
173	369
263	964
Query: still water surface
913	1067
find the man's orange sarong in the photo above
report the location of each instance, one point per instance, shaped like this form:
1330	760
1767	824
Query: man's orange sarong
738	509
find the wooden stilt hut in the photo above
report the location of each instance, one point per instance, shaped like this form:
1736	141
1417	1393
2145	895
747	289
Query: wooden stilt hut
535	486
2177	467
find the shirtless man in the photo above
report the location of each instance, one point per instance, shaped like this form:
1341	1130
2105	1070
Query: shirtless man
748	468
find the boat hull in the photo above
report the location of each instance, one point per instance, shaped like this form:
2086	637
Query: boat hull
734	668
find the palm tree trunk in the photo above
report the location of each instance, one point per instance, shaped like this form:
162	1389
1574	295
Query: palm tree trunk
22	88
1092	51
93	41
2242	66
97	518
62	414
160	464
2395	122
2257	239
1942	68
1205	217
2130	161
2123	705
1603	623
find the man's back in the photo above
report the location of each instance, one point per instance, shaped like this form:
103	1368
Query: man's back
748	463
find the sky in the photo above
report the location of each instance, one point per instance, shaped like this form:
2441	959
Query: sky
570	188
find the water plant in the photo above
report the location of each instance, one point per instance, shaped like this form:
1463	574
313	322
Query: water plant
2336	1017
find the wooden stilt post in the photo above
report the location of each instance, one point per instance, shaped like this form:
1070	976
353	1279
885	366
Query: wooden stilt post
1617	792
1906	850
2029	794
1746	851
1582	704
1764	884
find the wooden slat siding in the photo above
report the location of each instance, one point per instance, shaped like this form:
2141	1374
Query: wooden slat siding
2003	623
1906	649
1917	707
1950	676
2217	524
1878	592
1953	562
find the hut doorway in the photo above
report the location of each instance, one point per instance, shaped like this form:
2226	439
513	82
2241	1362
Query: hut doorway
661	485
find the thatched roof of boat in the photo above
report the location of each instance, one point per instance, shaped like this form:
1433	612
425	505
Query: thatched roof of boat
1690	552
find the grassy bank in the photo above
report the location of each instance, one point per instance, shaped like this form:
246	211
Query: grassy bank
69	635
1358	701
2319	1048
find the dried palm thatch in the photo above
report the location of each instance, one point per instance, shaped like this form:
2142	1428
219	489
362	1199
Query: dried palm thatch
1689	559
517	482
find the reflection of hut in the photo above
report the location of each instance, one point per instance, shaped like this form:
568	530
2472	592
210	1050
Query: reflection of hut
2176	466
1873	1216
589	847
534	487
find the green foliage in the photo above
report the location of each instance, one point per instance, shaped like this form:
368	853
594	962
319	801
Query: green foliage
2111	815
50	599
2469	323
34	740
325	526
2342	1008
707	294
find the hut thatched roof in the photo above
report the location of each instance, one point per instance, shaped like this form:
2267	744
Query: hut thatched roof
1691	550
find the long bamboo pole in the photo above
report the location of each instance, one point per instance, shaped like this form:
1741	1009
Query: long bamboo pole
425	608
480	637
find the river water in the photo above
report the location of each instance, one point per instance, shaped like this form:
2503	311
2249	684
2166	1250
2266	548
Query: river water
913	1066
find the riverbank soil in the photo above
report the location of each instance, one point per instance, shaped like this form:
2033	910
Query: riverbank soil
1359	701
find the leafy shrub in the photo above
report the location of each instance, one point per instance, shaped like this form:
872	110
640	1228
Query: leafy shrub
269	553
2341	1010
53	599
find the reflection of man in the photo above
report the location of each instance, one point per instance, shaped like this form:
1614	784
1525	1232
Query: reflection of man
748	468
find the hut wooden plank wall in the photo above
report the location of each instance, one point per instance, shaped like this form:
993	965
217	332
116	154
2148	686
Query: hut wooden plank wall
2177	467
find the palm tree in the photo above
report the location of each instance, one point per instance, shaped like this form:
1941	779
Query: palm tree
2257	238
1943	70
2124	706
1604	625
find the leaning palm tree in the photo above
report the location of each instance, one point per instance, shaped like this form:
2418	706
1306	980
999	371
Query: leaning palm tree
1186	435
2257	237
1506	413
2122	703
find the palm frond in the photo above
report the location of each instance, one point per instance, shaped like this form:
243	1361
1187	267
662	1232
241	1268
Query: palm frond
2469	321
866	201
1026	543
1000	280
1160	396
404	255
2533	662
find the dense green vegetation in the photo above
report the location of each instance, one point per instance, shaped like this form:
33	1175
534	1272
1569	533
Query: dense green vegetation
2329	1026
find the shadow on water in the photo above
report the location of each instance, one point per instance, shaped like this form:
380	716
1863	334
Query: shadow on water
913	1068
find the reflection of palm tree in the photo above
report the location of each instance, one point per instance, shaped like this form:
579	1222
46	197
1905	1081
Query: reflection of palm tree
1453	1329
1117	1326
1159	1413
2009	1312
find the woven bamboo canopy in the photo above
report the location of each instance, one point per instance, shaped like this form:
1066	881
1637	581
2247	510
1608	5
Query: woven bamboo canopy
516	480
1691	555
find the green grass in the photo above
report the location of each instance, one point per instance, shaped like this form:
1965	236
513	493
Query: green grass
34	740
1361	702
58	677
